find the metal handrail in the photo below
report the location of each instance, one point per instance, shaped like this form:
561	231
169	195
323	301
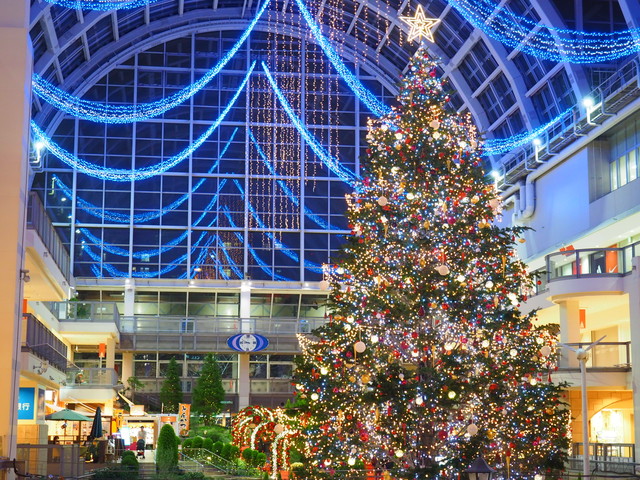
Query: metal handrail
38	220
585	262
609	97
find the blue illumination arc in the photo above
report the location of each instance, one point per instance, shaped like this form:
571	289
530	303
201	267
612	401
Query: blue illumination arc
124	175
497	146
331	163
369	99
293	197
106	113
139	218
543	41
261	263
102	5
163	248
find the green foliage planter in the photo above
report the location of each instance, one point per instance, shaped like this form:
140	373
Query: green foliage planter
167	451
127	470
217	448
198	442
208	444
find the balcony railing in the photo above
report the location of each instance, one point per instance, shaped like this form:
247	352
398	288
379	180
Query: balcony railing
230	385
605	457
92	378
49	354
590	262
605	356
38	220
72	311
217	325
611	96
55	460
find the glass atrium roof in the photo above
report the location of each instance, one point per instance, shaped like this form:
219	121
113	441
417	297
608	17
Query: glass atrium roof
271	206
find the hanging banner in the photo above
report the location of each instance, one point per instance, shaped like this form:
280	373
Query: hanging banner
184	415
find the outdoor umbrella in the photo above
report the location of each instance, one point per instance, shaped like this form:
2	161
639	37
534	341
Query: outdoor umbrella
68	416
96	426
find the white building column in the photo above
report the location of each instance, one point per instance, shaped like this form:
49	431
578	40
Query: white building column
569	329
15	98
129	297
111	352
632	286
244	383
127	367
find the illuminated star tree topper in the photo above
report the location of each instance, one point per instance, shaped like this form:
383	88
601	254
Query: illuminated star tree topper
421	25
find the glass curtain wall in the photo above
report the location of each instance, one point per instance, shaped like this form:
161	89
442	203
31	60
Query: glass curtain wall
253	201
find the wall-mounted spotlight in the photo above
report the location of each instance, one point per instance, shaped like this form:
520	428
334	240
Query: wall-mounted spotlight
24	275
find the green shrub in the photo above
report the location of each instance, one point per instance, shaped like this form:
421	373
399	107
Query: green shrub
129	460
207	444
216	436
128	453
194	476
197	442
188	443
247	455
260	459
217	448
234	451
115	473
226	451
167	451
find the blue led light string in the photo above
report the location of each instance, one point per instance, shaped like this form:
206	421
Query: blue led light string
163	248
496	146
139	218
119	273
261	263
124	175
149	253
294	198
104	6
331	163
142	253
369	99
105	113
277	243
547	42
231	263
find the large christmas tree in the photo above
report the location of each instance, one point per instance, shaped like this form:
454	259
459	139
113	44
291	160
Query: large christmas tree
426	361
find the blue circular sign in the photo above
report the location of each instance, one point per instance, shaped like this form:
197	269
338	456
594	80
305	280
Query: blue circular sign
247	342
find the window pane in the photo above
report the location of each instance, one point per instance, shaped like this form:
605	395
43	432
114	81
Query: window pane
622	170
632	165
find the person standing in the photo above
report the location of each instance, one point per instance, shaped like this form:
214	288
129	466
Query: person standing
140	445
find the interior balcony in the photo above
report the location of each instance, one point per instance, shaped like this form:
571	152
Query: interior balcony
81	323
47	267
583	271
202	334
608	366
90	385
